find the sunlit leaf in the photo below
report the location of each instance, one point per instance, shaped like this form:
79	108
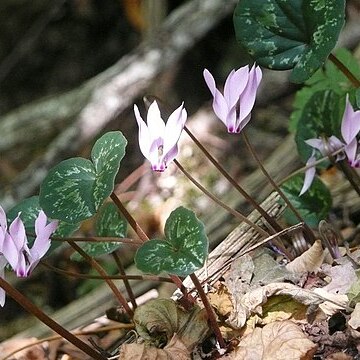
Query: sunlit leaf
183	251
74	189
289	34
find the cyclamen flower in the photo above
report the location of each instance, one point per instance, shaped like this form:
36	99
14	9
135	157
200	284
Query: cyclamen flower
158	142
234	107
350	127
14	245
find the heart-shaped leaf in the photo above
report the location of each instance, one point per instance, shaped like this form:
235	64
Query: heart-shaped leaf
289	34
182	252
313	206
29	209
109	223
74	189
321	116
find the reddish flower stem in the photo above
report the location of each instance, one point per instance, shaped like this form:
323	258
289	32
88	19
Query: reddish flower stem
52	324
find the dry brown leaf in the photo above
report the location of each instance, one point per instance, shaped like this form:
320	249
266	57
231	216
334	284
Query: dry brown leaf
354	321
342	277
221	301
336	301
174	350
279	340
309	261
251	302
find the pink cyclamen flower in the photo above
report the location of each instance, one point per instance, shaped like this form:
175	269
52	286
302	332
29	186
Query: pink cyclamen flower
350	127
157	140
234	107
15	246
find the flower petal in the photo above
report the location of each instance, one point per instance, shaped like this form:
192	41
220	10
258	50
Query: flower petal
42	242
155	123
247	98
3	263
350	150
350	125
173	129
144	135
235	85
220	105
309	174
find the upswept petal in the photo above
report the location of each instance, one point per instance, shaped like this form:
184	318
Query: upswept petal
42	242
3	263
220	105
309	174
317	144
173	129
144	135
3	222
155	123
235	85
350	150
248	96
350	125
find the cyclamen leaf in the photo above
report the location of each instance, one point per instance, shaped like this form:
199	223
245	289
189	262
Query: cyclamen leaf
313	206
109	223
289	34
321	116
182	252
74	189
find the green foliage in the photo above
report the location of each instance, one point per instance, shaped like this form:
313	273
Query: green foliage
321	116
183	251
289	34
327	78
313	206
29	209
109	224
74	189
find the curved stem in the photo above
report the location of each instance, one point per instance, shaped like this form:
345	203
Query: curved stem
209	310
232	181
143	237
52	324
220	203
126	241
103	273
121	268
345	70
276	187
98	277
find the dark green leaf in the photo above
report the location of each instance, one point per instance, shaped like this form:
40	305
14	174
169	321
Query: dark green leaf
109	224
289	34
182	252
74	189
327	78
321	116
313	206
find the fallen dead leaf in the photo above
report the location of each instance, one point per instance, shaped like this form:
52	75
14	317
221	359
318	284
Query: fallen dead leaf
221	301
279	340
342	277
332	302
309	261
252	302
174	350
354	321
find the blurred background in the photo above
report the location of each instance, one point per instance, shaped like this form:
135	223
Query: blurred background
72	69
